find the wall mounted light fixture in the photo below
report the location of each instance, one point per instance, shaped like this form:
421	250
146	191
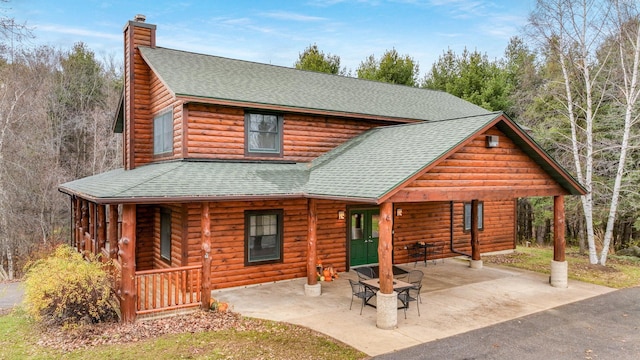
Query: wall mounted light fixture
399	212
340	214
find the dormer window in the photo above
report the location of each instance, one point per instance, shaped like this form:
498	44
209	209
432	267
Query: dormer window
263	134
163	133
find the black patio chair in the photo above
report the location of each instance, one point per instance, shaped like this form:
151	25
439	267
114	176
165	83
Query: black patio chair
365	273
413	293
415	278
360	291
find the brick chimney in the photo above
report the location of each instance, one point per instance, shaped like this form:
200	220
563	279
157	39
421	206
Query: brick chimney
136	79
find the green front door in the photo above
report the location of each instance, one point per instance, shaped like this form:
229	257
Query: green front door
364	236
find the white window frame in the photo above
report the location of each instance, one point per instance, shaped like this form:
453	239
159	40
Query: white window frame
250	133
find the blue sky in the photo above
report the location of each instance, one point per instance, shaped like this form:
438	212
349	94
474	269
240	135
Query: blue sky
277	31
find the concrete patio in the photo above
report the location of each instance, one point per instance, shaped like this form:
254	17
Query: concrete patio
455	299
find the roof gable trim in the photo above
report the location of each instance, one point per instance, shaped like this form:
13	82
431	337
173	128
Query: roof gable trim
433	164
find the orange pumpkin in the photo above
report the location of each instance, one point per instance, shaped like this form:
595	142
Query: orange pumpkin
223	306
327	275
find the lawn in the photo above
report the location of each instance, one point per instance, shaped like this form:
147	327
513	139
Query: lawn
257	339
620	271
261	339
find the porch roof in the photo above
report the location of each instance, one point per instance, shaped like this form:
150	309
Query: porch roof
365	168
192	180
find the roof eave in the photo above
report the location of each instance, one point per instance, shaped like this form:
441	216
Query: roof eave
118	120
142	200
275	107
184	199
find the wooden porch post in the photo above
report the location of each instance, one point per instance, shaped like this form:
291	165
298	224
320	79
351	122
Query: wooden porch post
558	229
77	221
385	247
84	225
112	231
559	267
102	229
312	287
476	260
475	241
127	252
206	255
92	228
387	299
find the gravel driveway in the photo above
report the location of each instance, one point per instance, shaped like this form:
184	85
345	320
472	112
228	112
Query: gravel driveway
11	294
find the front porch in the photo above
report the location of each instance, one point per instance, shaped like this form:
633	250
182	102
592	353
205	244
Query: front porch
455	299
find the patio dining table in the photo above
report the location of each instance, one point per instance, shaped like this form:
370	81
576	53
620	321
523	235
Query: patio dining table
397	271
399	286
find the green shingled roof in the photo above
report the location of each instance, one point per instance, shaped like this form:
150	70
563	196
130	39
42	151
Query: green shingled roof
192	179
365	168
383	158
213	77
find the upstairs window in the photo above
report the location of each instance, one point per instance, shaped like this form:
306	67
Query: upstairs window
163	133
263	134
467	216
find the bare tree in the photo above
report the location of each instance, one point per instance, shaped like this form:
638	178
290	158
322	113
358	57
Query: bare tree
575	33
627	39
18	96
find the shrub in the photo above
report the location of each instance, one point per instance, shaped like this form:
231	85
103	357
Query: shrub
65	289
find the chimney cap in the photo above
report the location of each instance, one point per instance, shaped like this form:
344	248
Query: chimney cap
139	18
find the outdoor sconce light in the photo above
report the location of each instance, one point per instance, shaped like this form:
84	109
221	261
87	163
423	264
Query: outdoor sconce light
399	212
340	214
492	141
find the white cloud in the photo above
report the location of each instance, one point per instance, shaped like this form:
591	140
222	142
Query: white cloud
286	15
60	29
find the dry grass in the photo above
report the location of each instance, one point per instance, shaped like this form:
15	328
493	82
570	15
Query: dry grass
620	271
202	335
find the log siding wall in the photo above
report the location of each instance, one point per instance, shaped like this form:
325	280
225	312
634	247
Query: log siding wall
145	237
479	172
217	132
227	240
431	222
228	244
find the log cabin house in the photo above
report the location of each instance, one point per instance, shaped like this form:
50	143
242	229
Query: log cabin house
238	173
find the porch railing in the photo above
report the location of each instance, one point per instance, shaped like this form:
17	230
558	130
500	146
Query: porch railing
168	289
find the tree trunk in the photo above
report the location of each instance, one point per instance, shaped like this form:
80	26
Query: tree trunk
625	238
631	94
581	237
10	263
540	234
526	231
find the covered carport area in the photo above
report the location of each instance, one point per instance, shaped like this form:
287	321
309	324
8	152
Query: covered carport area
469	160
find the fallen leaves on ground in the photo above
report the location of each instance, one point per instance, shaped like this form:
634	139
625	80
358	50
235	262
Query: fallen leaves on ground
506	258
69	339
